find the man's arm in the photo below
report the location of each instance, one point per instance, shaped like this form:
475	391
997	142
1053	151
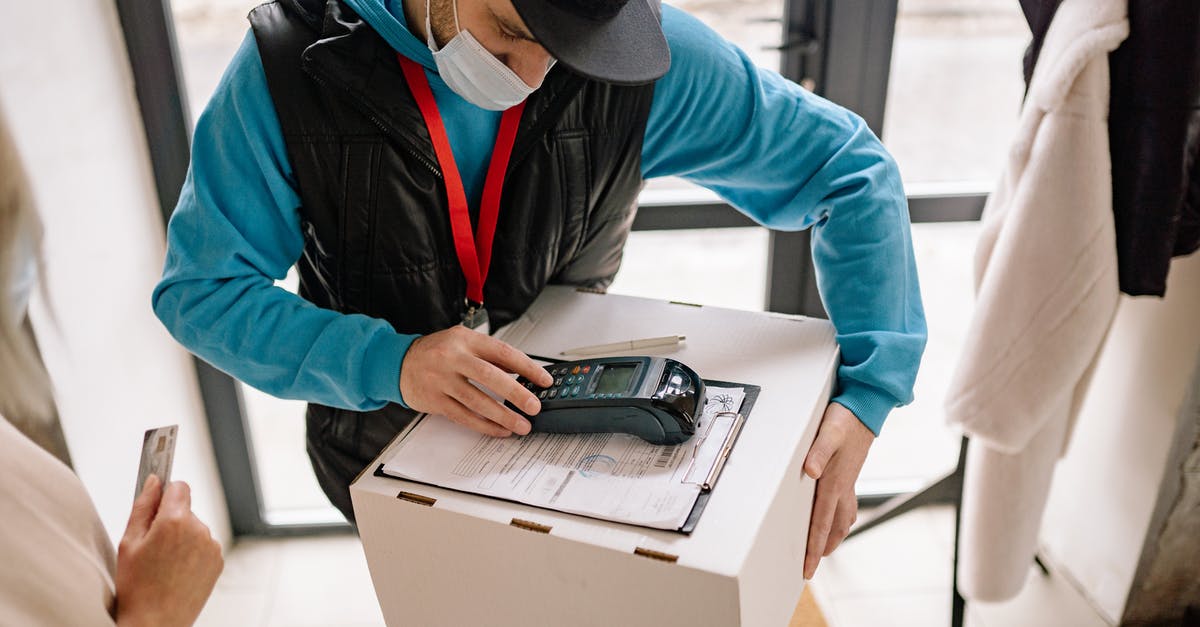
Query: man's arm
791	160
235	231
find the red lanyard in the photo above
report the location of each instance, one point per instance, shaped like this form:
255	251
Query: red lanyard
474	253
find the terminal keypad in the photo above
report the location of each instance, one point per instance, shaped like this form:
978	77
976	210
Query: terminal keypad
569	382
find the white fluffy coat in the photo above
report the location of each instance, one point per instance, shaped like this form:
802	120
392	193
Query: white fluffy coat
1046	278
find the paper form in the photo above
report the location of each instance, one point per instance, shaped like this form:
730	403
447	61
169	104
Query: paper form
611	476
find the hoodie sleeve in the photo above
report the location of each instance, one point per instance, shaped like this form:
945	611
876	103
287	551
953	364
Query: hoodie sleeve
235	232
792	160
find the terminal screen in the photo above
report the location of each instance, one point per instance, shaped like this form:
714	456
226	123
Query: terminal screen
615	379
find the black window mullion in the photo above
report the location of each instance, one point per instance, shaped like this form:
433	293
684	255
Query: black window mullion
843	51
154	60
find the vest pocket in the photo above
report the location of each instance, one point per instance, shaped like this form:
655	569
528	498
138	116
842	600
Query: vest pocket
359	176
573	151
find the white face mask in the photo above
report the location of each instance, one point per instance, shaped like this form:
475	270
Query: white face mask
473	72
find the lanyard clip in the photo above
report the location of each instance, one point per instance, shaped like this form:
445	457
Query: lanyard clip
475	317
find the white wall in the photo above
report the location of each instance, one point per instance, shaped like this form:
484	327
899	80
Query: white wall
1105	488
67	89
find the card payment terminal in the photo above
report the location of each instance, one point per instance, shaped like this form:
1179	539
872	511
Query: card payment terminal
655	398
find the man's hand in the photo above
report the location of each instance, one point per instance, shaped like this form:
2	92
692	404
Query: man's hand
835	459
168	561
438	370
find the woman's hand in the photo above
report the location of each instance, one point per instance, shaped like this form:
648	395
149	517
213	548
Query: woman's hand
168	561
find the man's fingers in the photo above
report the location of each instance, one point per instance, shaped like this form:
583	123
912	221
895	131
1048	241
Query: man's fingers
818	529
513	360
828	440
464	416
145	506
486	407
505	386
835	459
843	519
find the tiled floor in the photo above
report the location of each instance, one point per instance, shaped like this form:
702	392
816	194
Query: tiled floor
895	575
899	574
899	571
296	582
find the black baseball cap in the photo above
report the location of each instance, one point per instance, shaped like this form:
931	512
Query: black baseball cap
613	41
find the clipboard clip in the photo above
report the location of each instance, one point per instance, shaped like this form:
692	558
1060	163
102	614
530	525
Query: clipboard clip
726	447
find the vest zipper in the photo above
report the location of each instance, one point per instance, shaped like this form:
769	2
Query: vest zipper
547	117
404	144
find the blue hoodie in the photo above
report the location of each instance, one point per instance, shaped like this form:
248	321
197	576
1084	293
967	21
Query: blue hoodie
786	158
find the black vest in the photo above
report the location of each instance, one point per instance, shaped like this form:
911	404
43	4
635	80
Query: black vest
373	202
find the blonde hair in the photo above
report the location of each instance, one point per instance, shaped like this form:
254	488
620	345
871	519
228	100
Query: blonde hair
24	385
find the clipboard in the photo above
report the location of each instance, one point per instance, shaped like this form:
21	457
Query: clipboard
710	481
706	486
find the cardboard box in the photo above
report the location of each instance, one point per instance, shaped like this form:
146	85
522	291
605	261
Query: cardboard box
440	557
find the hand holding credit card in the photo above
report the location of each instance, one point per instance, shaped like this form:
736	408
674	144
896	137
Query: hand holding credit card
158	454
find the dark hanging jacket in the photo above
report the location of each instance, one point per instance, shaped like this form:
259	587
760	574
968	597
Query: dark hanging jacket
374	211
1154	135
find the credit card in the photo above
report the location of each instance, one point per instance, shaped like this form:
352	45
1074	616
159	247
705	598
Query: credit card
158	454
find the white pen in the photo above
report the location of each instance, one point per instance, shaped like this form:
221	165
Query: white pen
627	345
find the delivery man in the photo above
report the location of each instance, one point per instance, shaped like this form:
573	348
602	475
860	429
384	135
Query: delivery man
430	165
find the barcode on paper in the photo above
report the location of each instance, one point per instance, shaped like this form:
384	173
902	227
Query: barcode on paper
666	456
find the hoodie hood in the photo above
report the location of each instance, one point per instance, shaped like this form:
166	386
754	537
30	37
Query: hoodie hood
387	18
